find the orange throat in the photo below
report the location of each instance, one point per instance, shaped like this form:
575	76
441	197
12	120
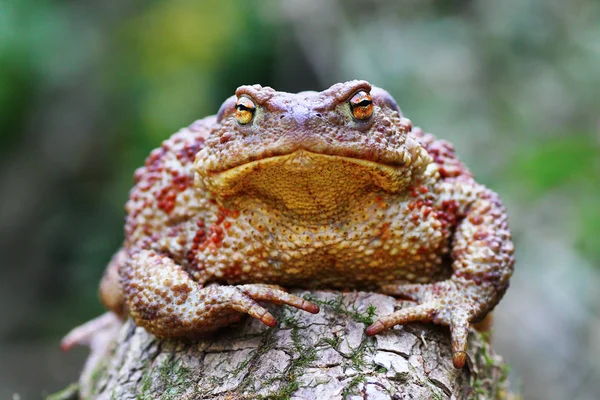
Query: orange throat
305	183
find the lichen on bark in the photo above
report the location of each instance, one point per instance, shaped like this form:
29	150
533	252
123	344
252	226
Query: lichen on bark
323	356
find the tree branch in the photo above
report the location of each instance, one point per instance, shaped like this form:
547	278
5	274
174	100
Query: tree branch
323	356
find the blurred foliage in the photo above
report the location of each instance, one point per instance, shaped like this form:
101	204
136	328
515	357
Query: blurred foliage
88	88
557	162
569	163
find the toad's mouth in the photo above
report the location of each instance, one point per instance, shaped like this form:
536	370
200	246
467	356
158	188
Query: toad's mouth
301	172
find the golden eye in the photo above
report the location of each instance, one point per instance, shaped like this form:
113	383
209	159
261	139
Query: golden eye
361	105
244	110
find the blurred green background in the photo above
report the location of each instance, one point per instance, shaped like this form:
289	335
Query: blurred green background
88	88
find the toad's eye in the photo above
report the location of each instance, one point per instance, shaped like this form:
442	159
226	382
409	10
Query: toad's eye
244	110
361	105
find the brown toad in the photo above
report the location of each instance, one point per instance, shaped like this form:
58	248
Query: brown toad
331	189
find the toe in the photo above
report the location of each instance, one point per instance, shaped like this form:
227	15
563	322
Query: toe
424	313
84	334
412	292
276	296
459	329
256	311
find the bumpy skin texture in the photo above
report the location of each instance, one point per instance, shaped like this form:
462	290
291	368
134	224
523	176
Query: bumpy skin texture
306	195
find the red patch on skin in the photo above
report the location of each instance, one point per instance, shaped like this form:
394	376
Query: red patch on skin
450	206
448	212
154	161
198	241
150	177
384	232
225	138
436	290
215	237
200	237
188	153
231	274
478	279
166	198
174	231
485	209
216	233
229	213
182	182
225	213
415	218
480	235
487	196
138	175
443	155
380	202
476	219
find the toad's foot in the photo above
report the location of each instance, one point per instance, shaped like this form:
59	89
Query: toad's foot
444	303
207	309
93	333
250	294
162	298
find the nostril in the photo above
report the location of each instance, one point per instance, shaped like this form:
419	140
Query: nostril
281	116
319	115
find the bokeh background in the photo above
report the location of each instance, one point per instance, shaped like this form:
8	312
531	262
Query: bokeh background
88	88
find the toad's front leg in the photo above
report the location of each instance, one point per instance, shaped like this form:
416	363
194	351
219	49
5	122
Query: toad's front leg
162	298
482	254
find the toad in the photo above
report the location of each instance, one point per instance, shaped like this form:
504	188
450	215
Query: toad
332	190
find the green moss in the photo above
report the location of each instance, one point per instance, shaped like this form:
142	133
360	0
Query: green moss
176	376
304	356
288	320
236	371
98	372
357	357
145	385
488	388
358	363
380	369
367	318
352	387
173	376
285	392
71	392
436	392
333	342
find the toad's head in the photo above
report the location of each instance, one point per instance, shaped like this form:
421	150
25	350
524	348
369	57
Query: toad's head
298	150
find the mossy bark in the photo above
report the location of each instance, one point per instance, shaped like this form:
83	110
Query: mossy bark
323	356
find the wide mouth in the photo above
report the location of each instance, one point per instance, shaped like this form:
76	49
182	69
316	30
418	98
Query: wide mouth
307	169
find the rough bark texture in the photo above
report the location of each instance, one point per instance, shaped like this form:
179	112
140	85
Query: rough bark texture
323	356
